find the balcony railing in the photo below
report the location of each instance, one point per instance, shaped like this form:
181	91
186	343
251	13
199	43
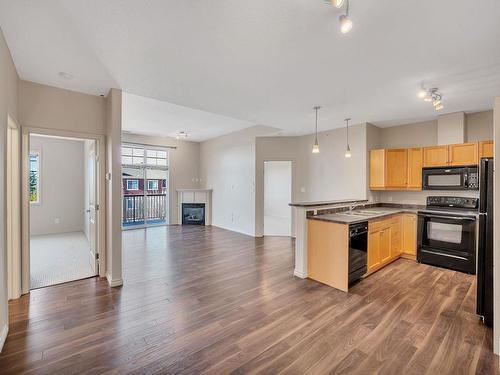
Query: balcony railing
140	209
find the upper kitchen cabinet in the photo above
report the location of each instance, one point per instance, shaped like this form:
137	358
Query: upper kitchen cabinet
463	154
486	149
396	167
388	169
435	156
415	162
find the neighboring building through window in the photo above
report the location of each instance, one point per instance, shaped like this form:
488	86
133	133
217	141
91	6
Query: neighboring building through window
153	185
132	184
34	177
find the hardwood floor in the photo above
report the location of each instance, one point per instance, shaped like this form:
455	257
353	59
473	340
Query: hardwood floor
205	300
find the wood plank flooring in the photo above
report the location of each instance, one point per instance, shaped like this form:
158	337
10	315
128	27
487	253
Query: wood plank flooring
202	300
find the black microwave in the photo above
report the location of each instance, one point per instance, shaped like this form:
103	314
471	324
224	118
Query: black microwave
450	178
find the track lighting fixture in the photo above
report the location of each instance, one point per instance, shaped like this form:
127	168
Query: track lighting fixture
345	21
432	95
181	135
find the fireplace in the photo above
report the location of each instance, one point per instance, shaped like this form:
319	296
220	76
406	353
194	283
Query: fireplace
193	214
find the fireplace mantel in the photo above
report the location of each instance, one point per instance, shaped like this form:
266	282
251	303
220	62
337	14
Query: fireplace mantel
195	196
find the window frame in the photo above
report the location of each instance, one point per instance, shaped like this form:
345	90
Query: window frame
38	152
133	180
155	181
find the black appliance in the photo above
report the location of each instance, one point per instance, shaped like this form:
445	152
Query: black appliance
447	233
193	214
358	246
451	178
485	248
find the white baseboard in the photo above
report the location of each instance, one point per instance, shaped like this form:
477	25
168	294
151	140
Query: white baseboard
3	336
300	274
114	283
233	230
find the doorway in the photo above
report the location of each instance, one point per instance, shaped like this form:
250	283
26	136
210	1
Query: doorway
13	187
277	196
144	186
62	209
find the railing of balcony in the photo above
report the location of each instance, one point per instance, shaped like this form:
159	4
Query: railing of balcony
139	209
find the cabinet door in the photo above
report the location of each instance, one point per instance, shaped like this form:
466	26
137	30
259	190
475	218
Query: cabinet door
373	250
415	160
410	234
396	237
435	156
385	242
377	169
463	154
396	167
486	149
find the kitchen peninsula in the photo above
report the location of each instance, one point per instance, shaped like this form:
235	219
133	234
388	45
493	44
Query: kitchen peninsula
389	233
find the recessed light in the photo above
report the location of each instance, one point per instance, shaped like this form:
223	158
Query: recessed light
66	75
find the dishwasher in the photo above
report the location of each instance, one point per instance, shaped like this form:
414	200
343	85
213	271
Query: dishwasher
358	245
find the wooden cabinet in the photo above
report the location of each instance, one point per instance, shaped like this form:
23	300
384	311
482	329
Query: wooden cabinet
486	149
384	242
396	167
377	169
463	154
409	239
388	169
435	156
415	161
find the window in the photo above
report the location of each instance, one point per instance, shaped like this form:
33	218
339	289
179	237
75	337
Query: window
132	184
156	157
152	184
35	177
132	156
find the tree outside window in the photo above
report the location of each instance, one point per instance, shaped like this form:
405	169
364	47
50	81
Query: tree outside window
34	177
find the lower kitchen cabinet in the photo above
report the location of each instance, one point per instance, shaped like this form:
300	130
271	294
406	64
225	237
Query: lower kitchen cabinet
384	242
409	236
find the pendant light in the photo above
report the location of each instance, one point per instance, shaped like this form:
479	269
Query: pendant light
345	21
315	149
348	148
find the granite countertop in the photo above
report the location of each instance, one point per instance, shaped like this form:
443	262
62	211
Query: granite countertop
326	203
358	216
366	214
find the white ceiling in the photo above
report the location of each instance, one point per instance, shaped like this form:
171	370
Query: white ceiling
265	62
155	117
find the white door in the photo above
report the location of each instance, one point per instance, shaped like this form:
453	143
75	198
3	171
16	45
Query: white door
92	208
277	197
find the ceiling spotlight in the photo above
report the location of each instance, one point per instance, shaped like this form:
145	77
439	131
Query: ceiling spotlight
337	3
65	75
436	102
345	21
438	107
181	135
422	93
428	97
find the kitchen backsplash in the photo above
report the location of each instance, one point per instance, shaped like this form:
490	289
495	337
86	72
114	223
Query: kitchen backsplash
419	197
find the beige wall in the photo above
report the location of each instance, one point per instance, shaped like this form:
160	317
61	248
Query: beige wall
324	176
62	186
184	165
8	106
49	107
478	127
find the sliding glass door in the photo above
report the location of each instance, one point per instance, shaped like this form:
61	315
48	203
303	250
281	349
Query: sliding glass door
144	186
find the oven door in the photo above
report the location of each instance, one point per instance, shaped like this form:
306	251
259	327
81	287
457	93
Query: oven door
444	179
447	241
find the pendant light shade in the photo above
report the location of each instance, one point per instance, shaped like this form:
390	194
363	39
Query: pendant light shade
345	21
348	153
315	149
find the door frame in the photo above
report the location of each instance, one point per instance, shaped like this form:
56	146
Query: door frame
13	206
100	195
292	182
145	167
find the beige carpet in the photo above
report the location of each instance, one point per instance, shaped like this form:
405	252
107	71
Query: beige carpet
58	258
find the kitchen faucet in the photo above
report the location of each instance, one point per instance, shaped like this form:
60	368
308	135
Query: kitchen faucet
354	206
